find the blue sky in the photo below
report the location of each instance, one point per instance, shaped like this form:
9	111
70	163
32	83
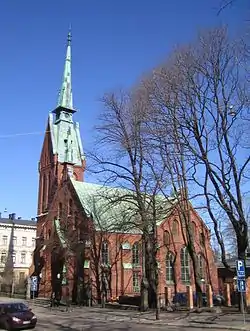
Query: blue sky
114	43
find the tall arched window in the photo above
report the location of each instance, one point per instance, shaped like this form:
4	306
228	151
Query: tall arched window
201	265
185	265
135	254
169	267
175	228
44	192
105	253
166	238
193	228
70	211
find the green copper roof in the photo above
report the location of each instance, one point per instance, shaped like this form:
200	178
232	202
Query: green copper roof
65	98
113	209
66	141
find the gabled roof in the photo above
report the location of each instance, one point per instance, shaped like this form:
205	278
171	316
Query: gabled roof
115	209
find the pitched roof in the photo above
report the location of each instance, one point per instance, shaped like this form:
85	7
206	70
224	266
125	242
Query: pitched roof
19	222
115	209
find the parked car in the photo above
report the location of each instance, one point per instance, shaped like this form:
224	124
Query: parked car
16	316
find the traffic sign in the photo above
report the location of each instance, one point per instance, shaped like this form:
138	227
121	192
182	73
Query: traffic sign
33	283
240	269
241	285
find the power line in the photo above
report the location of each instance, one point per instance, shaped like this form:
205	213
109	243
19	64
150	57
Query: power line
23	134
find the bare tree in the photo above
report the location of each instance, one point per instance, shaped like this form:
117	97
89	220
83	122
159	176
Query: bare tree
120	160
203	91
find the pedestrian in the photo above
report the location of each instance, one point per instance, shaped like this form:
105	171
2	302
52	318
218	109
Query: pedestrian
67	299
52	300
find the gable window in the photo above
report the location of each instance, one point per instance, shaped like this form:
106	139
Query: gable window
3	257
166	238
185	265
169	267
105	253
175	228
193	229
135	254
202	239
136	281
70	211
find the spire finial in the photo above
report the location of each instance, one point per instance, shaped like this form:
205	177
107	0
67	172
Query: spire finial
69	35
65	95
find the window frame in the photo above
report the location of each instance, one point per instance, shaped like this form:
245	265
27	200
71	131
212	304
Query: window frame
185	265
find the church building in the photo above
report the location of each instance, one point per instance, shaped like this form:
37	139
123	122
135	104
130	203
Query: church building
81	238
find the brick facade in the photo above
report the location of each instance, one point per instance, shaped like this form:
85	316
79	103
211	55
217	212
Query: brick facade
124	273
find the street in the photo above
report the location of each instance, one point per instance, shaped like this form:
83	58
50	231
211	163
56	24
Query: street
104	319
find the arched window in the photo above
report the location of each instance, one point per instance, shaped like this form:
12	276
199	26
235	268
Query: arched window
105	253
169	267
185	267
70	211
166	238
135	254
202	239
175	228
49	233
200	260
193	228
44	192
75	221
60	210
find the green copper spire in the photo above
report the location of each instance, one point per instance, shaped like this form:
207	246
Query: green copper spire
65	96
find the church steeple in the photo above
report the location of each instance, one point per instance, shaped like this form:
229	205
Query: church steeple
65	98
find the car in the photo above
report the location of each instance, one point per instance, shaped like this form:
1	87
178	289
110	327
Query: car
16	316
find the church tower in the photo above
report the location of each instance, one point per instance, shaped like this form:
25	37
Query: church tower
62	147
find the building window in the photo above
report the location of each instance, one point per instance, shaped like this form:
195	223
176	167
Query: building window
21	277
202	239
166	238
185	267
200	261
3	257
169	267
75	221
60	210
24	241
14	240
136	281
175	228
33	242
105	253
14	257
23	257
70	211
49	234
193	229
5	240
135	254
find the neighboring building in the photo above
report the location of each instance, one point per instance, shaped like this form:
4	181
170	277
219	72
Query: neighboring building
80	238
17	243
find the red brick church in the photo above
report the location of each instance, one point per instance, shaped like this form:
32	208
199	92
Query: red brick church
80	237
